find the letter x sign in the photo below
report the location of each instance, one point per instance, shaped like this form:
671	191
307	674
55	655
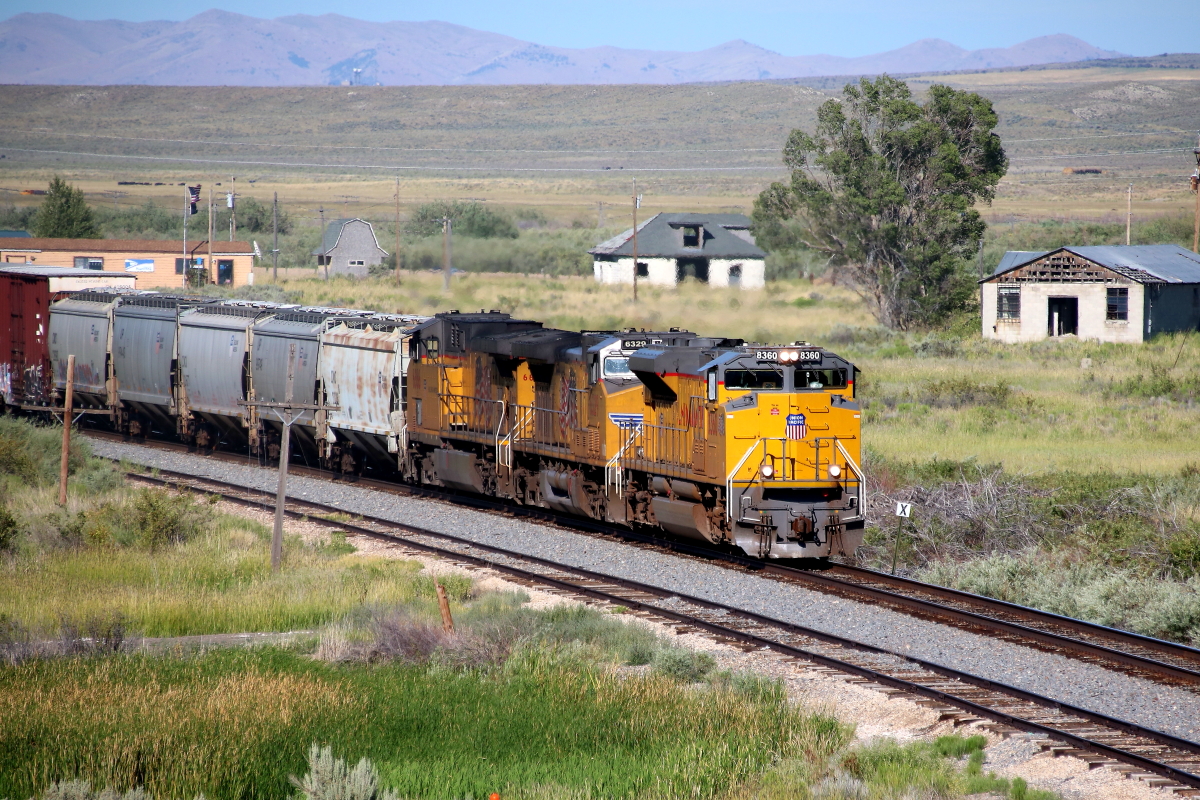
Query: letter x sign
903	509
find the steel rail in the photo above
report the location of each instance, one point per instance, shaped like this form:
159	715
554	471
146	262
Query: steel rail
1143	655
1161	754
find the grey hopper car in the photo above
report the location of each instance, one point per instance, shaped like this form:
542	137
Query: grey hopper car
289	339
215	377
144	361
81	326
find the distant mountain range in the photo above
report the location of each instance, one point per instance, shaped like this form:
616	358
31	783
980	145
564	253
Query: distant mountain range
220	48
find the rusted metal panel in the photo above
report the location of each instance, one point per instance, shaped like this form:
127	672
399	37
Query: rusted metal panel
214	348
82	326
363	366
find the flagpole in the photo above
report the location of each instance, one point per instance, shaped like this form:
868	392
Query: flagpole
187	205
635	254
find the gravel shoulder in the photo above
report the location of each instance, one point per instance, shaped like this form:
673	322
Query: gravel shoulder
1168	709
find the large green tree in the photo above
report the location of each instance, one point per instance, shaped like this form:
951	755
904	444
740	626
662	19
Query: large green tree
64	214
884	190
468	219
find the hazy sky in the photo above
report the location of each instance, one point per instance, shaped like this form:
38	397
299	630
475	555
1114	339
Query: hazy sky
847	28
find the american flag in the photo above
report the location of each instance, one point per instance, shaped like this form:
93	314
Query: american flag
796	429
194	192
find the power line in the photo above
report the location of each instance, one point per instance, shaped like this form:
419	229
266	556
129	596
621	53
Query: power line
397	149
1101	155
181	159
1094	136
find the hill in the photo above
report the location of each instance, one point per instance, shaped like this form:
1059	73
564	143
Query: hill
221	48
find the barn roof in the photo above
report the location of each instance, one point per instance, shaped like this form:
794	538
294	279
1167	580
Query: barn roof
1144	263
333	232
725	236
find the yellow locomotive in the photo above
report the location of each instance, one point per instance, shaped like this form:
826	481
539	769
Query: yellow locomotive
708	438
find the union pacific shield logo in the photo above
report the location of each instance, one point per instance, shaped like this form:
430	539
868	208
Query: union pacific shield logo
796	427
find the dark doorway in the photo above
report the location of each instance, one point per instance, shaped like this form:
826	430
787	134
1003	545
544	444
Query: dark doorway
1063	316
692	267
224	273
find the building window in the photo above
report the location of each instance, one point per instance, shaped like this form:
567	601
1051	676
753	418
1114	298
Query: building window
1008	302
691	235
1118	305
735	275
89	262
359	263
643	269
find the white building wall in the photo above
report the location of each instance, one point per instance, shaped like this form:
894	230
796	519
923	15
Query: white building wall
1034	324
754	271
664	271
661	271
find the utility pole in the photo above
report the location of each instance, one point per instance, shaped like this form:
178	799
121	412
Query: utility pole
233	210
324	257
637	203
208	273
187	206
599	213
1128	212
1196	191
288	413
275	231
397	230
447	230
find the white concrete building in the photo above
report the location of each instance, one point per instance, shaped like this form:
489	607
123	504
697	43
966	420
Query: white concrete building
717	249
1108	293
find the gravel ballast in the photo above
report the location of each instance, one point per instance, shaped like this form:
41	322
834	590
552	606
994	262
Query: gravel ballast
1169	709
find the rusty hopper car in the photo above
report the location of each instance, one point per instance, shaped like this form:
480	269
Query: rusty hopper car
755	447
144	358
26	294
215	348
364	373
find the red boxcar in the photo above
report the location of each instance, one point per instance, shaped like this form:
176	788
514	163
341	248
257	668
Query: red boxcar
26	293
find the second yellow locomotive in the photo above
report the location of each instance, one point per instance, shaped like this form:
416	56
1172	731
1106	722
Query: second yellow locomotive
753	446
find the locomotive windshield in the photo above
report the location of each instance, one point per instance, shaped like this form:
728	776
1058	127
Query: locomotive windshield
820	379
753	379
617	367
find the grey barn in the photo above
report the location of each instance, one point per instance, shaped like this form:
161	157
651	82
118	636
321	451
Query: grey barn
1113	293
349	248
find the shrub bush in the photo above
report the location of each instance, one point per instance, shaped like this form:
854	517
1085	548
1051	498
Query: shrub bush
687	666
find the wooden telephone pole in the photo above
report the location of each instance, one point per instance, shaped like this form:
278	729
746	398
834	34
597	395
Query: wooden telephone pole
447	232
397	231
287	412
637	203
1128	213
1196	190
66	443
275	232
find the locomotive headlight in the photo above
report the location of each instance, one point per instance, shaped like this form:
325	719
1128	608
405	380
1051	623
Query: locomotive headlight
834	470
767	470
789	356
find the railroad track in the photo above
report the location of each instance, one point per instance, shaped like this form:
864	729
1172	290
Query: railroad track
1160	759
1142	656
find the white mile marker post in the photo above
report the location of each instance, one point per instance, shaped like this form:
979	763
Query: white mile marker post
903	512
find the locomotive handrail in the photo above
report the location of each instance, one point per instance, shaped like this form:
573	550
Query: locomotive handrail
859	479
613	468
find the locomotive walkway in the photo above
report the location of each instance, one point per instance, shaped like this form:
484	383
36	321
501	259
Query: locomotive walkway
1091	709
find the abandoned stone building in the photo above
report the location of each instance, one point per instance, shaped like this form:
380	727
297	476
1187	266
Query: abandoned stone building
1114	293
349	248
717	249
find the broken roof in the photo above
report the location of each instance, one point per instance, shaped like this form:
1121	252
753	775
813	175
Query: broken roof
1144	263
660	236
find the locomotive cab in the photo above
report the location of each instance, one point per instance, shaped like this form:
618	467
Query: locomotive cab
794	483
